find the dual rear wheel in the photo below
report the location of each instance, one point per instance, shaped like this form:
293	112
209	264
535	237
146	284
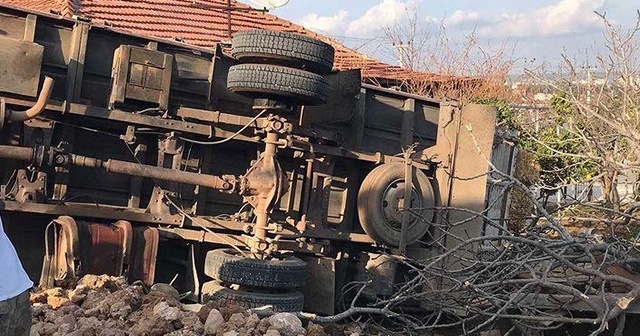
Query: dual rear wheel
279	66
286	69
289	69
253	283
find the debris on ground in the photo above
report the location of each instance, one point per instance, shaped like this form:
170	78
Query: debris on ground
108	306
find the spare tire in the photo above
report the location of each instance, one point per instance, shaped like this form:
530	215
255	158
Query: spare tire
378	204
291	86
290	301
271	47
228	266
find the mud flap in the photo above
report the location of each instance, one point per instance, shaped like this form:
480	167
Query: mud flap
62	257
144	251
73	249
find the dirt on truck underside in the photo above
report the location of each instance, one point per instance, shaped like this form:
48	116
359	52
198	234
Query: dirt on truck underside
108	306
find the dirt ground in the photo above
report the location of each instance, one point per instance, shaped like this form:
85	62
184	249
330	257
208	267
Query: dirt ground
108	306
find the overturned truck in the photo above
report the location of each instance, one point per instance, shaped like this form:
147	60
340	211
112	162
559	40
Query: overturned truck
254	174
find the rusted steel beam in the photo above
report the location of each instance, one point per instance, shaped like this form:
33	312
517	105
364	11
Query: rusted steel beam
377	158
125	117
217	132
139	216
139	119
104	211
203	236
223	118
236	240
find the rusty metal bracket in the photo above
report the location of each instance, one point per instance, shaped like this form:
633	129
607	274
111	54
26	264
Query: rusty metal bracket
62	262
406	200
30	189
68	259
126	243
170	150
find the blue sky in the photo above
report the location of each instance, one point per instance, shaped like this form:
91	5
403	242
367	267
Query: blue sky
537	29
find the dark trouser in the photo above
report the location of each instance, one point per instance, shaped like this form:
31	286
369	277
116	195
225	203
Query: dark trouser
15	316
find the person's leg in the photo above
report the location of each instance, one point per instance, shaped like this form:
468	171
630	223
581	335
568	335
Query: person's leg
15	315
4	317
23	314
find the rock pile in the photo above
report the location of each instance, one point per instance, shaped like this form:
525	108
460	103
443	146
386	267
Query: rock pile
108	306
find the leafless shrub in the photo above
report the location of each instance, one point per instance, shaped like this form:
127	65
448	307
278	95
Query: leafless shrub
534	276
524	283
601	109
449	68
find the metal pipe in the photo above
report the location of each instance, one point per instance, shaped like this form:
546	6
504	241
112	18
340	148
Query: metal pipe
166	174
16	153
84	161
124	167
35	110
158	173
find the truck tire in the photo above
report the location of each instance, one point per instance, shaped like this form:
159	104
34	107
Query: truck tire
228	266
271	47
292	86
378	202
291	301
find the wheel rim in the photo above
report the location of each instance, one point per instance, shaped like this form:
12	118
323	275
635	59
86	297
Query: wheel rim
391	200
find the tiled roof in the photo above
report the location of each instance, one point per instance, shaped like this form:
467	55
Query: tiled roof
39	5
204	23
64	7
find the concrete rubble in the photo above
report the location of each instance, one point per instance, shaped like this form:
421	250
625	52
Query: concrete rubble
108	306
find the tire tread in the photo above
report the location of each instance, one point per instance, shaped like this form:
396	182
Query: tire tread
298	86
312	54
223	265
291	301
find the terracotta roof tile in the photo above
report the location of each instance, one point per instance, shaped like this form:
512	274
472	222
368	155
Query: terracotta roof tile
64	7
204	23
39	5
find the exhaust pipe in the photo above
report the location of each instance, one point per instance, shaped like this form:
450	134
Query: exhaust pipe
34	111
